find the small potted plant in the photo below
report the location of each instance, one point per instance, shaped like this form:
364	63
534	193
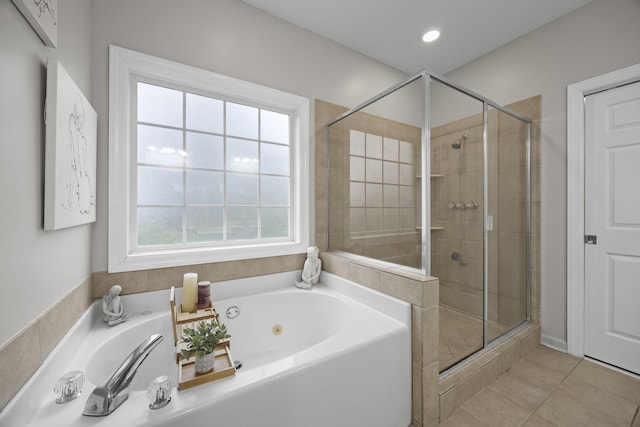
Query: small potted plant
202	341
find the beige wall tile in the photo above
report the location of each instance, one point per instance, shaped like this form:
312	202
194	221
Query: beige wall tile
165	278
531	342
417	336
431	395
80	298
53	324
366	276
447	404
510	356
334	264
491	370
132	282
19	359
416	393
467	387
401	287
431	336
431	293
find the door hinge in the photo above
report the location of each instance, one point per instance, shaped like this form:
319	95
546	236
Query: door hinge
590	239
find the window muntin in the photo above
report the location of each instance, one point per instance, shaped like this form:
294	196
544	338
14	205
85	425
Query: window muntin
204	242
209	170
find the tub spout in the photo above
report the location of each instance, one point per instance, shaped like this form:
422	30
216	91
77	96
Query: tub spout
108	397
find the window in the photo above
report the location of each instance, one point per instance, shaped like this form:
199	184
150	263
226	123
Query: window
203	167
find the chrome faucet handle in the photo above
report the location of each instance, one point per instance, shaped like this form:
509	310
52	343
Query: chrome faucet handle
69	386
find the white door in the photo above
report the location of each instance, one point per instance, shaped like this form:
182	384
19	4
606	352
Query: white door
612	214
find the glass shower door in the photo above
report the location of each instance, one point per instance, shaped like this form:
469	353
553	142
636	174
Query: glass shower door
508	210
457	205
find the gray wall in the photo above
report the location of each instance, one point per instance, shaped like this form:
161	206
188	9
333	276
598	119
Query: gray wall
37	267
231	38
600	37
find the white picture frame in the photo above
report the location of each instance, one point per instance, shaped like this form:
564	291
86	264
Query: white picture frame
42	15
70	152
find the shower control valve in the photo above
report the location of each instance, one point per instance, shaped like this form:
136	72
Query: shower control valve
471	205
463	205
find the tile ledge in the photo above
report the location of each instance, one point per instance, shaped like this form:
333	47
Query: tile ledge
387	267
474	363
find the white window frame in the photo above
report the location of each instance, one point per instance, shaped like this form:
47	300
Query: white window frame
125	68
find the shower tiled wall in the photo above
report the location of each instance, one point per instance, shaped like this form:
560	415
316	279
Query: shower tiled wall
373	163
402	282
457	177
431	396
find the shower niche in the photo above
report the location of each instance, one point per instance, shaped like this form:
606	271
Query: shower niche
431	176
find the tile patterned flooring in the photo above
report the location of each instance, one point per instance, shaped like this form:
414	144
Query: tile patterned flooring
461	335
550	388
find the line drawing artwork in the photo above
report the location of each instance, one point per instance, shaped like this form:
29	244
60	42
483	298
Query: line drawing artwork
46	7
42	15
79	193
70	152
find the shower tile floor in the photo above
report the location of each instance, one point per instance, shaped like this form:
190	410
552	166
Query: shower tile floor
461	335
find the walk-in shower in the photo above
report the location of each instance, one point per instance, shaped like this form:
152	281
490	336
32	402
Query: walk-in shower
432	176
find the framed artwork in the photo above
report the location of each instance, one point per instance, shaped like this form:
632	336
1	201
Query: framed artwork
42	15
70	152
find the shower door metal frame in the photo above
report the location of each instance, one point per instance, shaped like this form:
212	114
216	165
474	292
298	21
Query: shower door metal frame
426	189
486	103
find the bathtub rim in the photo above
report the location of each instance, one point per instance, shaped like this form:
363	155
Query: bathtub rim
23	407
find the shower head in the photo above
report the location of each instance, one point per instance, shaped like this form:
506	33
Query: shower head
458	142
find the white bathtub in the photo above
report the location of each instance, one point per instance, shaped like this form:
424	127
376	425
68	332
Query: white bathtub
343	358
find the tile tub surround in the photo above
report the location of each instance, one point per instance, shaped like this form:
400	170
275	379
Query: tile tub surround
422	293
164	278
23	354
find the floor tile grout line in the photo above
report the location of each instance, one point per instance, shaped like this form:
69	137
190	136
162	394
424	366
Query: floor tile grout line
534	410
555	388
636	417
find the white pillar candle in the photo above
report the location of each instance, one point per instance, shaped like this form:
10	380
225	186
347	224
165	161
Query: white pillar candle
189	292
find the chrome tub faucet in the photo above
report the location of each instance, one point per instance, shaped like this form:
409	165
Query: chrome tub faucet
107	398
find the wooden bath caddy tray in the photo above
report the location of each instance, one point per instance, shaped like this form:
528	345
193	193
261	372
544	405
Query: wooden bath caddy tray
223	365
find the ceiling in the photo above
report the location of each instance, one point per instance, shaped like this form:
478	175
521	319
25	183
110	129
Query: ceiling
390	31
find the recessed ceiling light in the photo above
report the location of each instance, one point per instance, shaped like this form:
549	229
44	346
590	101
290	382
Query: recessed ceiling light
431	36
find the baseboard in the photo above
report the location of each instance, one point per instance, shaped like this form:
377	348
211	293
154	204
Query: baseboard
553	342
